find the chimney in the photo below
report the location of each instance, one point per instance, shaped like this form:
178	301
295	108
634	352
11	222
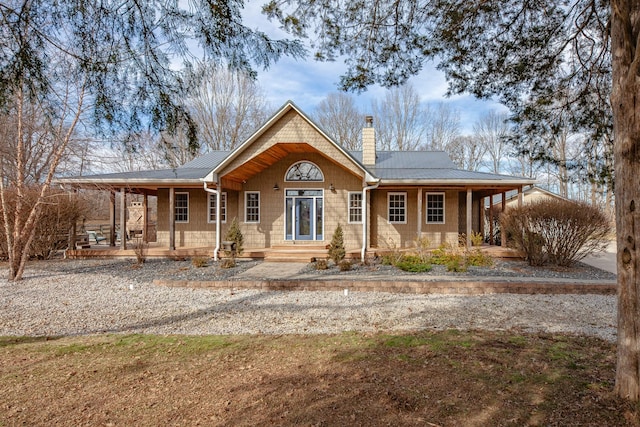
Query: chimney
369	143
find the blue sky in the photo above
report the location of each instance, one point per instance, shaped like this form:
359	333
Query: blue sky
308	82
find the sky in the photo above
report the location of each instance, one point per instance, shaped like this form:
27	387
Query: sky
308	82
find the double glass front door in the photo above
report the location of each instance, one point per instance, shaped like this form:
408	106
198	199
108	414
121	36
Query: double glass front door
304	215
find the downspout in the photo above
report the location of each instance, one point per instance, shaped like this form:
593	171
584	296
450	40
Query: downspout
365	215
218	223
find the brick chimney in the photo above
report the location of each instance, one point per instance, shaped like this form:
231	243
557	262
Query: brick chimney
368	143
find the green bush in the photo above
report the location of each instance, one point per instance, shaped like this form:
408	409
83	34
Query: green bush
477	258
456	263
234	234
413	264
336	247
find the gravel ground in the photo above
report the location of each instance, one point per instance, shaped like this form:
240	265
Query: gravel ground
92	297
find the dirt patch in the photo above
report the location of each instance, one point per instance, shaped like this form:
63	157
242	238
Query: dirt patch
427	379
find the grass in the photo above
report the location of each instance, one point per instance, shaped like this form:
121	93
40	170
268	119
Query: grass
423	378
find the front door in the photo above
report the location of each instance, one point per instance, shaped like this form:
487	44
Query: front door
304	218
304	215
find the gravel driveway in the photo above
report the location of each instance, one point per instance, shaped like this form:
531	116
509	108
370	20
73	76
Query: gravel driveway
92	299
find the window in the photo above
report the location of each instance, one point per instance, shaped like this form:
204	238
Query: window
355	207
181	208
304	171
223	207
435	208
397	207
251	206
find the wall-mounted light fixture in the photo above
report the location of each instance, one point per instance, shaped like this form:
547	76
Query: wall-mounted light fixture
331	187
276	187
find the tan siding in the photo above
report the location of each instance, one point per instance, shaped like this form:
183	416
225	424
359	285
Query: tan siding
292	128
386	235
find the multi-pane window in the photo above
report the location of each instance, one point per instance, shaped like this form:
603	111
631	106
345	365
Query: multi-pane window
355	207
304	171
223	207
435	208
181	208
252	206
397	207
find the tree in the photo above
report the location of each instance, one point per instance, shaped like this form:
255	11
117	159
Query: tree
443	127
492	129
515	51
340	117
400	120
111	62
467	152
227	106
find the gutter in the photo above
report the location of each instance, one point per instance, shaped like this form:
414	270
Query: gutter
218	236
365	215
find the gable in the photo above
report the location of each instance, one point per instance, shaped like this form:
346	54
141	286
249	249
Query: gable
288	132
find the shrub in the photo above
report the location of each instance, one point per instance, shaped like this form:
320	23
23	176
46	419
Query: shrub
413	264
228	263
344	265
422	245
60	212
234	234
476	239
456	263
336	247
140	248
477	258
199	261
322	264
558	231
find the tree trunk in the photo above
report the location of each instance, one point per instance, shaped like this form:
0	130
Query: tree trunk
626	112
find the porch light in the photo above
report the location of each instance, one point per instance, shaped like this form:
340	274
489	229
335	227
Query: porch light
276	187
331	187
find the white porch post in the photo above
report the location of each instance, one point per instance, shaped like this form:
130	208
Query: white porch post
503	235
469	212
419	231
123	219
172	219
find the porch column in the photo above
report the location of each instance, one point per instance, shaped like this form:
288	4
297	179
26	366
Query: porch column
520	196
123	219
481	202
491	241
172	219
469	211
503	235
145	218
419	231
112	218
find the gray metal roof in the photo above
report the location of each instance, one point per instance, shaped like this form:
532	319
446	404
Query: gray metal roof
391	166
207	161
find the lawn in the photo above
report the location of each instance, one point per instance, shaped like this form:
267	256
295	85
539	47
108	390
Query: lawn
449	378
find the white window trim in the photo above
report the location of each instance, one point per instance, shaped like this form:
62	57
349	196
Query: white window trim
223	207
396	193
444	208
174	207
349	207
246	199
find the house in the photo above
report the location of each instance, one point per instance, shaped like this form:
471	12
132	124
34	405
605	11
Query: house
530	194
290	185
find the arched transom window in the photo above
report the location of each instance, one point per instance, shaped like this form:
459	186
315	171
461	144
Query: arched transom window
304	171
